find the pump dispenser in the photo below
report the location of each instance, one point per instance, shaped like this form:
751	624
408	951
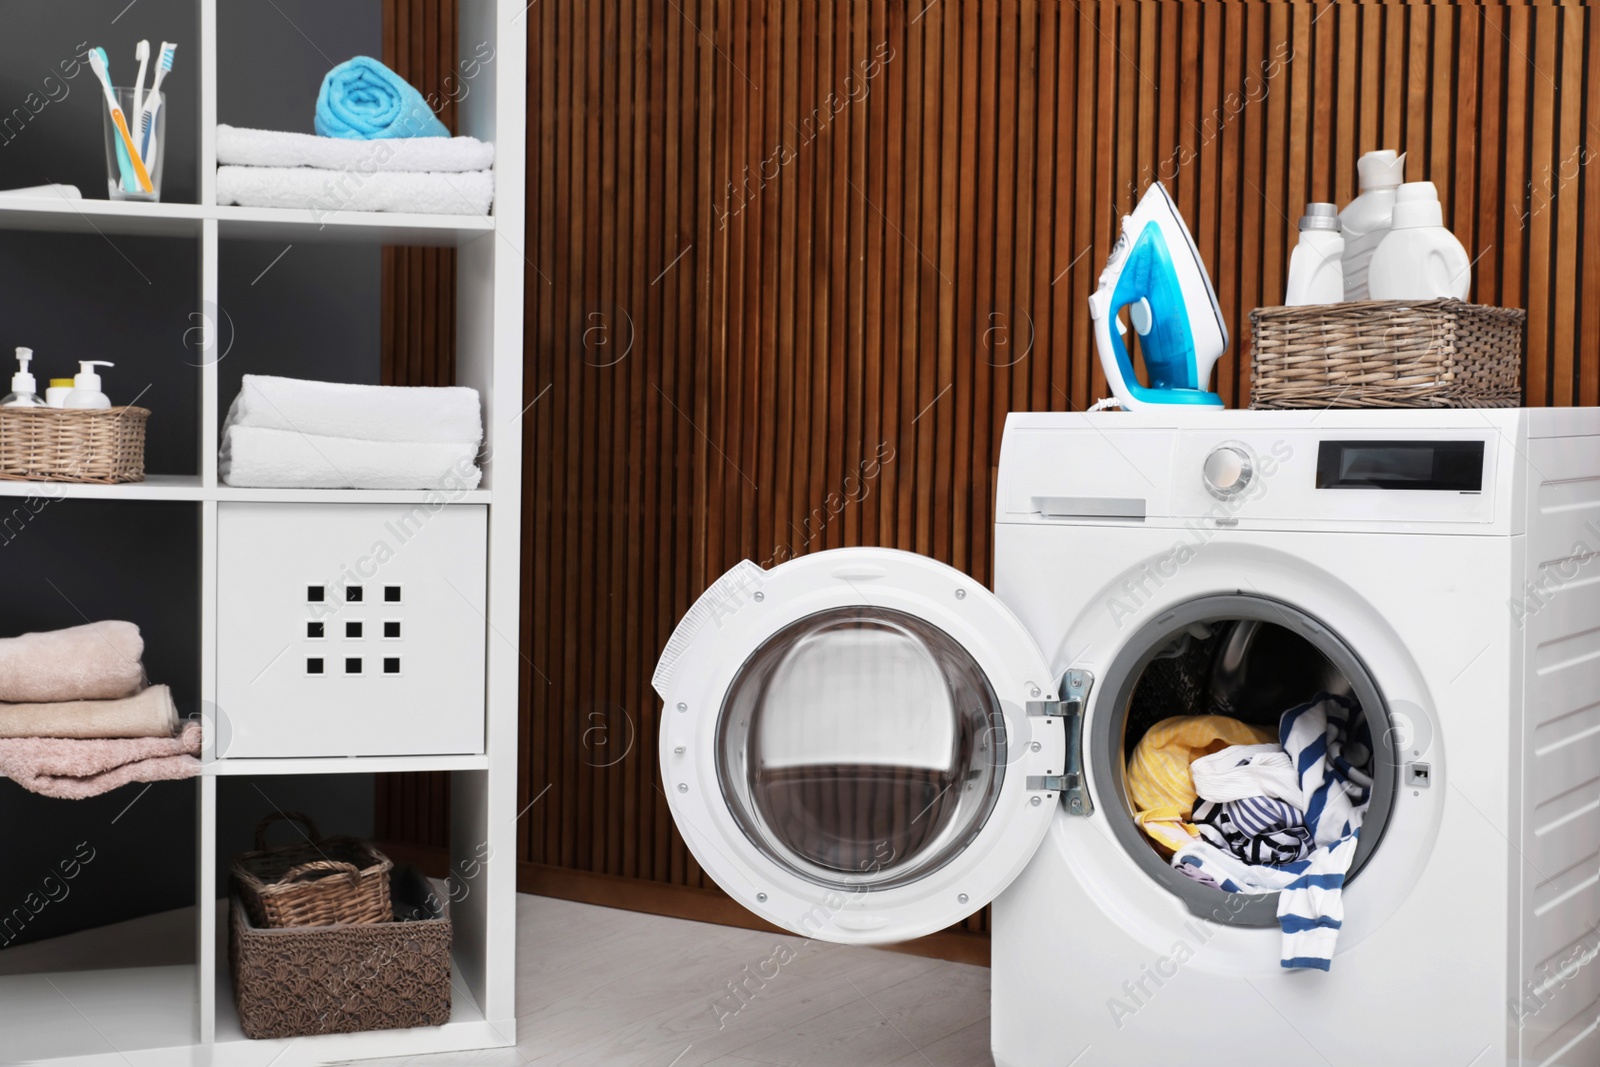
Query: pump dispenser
24	390
86	394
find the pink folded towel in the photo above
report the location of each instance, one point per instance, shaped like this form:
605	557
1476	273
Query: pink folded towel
149	713
72	769
99	661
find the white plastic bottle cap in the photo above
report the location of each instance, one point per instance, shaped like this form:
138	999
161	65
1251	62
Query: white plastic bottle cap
1320	217
1383	169
1414	192
1417	204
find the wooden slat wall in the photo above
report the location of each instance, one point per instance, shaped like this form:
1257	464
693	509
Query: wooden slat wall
419	329
763	320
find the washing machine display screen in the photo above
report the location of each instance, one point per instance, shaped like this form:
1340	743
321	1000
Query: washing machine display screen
1449	466
861	748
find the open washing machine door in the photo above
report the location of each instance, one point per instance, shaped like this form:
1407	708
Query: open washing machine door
861	745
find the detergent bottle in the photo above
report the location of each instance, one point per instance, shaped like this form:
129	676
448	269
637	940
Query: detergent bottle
1316	268
1419	259
1365	220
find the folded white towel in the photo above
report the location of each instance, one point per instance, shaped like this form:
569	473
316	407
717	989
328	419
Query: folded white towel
326	193
277	148
53	191
415	414
282	459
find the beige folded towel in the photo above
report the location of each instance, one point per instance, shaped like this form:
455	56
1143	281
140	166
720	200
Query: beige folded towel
99	661
73	770
150	713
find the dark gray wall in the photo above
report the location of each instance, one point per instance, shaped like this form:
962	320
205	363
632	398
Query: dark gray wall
314	312
133	301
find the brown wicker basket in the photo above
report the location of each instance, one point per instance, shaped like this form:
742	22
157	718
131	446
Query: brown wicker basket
320	882
55	445
341	979
1387	354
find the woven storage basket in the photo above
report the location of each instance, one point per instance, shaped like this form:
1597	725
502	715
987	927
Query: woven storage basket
340	979
1387	354
54	445
320	882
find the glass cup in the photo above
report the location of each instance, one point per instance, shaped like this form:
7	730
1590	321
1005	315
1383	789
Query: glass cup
121	180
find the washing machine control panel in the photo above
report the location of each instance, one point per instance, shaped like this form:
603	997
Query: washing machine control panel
1227	471
1258	469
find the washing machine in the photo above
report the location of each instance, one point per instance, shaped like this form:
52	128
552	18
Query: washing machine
865	746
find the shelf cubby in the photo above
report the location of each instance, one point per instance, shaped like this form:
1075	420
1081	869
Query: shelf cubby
129	988
129	301
244	800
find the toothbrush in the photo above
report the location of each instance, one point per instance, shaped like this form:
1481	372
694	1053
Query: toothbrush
125	179
97	63
147	114
141	52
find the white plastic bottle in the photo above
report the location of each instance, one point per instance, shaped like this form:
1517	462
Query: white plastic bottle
24	390
1419	259
1316	268
86	394
1365	220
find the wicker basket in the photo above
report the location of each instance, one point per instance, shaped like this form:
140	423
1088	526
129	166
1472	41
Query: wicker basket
341	979
1387	354
55	445
323	881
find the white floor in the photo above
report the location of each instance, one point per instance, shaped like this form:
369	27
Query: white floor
603	987
597	986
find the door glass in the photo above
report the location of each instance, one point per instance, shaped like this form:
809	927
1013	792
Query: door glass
861	748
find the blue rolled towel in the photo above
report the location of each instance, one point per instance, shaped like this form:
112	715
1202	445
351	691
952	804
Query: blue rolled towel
363	100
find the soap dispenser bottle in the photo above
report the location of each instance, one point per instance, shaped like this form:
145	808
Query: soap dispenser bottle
86	394
24	390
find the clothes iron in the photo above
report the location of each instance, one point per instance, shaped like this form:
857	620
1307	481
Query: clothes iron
1155	272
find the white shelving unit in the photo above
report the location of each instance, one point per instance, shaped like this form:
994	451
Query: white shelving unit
190	220
181	1011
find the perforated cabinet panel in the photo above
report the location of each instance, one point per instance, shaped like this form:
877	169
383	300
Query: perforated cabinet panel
350	630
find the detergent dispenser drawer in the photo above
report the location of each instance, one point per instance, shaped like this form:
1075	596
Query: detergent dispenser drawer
350	629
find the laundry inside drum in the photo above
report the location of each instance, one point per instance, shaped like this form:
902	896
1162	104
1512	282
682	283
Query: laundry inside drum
1216	684
861	748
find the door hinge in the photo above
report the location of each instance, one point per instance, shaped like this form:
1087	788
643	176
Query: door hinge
1071	783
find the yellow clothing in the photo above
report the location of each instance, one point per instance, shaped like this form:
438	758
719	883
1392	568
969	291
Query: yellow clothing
1159	782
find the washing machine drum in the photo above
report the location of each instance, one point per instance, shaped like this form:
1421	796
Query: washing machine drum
1249	658
1258	669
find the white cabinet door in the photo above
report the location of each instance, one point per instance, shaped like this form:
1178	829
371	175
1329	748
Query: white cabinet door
350	629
